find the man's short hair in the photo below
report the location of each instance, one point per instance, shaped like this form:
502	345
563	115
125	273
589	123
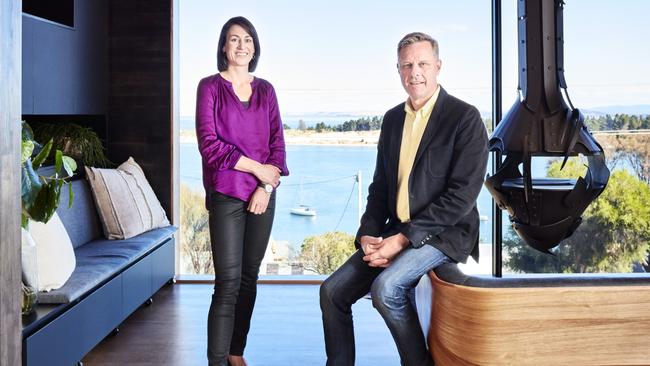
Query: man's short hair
414	37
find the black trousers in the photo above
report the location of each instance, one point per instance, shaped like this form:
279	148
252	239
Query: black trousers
239	240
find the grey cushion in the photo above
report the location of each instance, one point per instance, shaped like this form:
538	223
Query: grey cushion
451	273
81	221
100	259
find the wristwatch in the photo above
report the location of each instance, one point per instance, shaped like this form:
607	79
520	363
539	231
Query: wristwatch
268	188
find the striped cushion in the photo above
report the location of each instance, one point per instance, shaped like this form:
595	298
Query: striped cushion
126	203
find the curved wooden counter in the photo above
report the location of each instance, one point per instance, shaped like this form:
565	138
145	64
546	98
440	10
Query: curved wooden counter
545	320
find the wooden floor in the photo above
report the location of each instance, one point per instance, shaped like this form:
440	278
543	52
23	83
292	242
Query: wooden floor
286	330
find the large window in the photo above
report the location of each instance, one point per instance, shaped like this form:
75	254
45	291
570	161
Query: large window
333	65
605	65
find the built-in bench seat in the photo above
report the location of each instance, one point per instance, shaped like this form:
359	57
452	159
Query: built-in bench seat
555	319
112	278
98	260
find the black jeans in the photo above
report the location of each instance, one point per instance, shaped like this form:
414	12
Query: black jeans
239	240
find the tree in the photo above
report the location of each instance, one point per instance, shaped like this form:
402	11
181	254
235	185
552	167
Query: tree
614	234
286	126
637	152
632	148
360	124
325	253
195	234
617	122
375	123
321	126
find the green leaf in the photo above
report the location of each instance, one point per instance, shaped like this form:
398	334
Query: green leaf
27	133
70	195
30	184
58	162
45	152
69	165
24	220
27	148
46	201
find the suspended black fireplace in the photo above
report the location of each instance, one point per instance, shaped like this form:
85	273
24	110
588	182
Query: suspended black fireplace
543	122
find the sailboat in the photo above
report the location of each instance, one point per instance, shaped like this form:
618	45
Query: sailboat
301	209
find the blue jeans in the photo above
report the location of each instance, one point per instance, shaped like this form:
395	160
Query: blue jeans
392	292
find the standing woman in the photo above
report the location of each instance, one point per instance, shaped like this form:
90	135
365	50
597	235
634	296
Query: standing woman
241	142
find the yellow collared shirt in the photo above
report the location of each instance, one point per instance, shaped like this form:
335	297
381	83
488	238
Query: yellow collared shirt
414	124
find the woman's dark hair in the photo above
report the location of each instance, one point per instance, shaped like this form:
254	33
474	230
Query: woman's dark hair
222	60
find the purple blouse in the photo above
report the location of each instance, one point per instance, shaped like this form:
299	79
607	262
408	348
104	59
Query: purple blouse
227	130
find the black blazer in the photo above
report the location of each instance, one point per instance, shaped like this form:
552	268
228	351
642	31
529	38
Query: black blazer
444	184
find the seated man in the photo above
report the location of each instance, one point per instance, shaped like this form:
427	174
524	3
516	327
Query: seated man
421	211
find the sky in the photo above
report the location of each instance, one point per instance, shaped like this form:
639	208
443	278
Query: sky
339	56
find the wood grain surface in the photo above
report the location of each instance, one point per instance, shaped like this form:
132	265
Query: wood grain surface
606	325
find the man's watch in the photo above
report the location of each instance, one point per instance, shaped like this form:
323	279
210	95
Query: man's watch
268	188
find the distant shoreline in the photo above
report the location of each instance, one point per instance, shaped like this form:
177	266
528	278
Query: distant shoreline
297	137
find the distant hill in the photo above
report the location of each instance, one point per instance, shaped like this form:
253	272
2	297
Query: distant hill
335	118
292	119
639	109
329	118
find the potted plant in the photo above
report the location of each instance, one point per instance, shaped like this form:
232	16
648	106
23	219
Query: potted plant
79	142
40	193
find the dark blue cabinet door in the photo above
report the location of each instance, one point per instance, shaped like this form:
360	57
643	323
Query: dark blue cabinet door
163	264
136	285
